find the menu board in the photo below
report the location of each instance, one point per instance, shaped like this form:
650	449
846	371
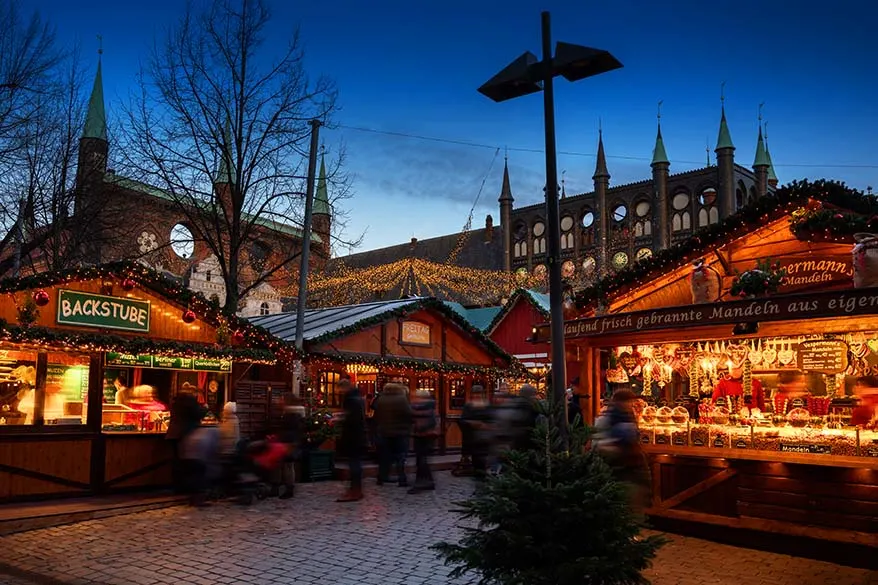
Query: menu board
70	381
168	362
824	356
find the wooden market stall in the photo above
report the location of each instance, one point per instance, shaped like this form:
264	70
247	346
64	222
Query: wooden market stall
419	342
90	362
751	412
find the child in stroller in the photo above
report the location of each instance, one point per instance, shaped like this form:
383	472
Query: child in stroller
249	473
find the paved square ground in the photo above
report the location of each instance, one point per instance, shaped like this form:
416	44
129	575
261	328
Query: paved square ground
311	539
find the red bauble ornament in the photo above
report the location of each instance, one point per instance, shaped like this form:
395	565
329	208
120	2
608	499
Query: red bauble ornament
238	336
188	316
838	216
41	298
128	284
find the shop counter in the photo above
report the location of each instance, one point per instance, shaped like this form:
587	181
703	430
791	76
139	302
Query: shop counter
824	496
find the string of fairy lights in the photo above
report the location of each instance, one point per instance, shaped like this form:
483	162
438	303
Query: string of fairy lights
415	277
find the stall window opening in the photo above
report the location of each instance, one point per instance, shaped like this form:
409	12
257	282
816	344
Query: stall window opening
457	394
428	384
327	386
18	381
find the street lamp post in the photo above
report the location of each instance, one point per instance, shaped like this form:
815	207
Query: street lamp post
306	254
524	76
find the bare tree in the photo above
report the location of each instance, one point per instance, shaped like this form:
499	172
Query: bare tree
221	126
28	63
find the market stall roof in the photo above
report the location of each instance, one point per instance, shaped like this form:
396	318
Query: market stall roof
479	317
837	212
241	339
538	300
325	324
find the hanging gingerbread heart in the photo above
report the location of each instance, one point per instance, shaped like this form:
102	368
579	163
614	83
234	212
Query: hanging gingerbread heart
769	354
737	353
786	355
873	345
755	352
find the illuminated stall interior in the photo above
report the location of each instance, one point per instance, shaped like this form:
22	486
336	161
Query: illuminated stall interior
420	343
91	361
753	347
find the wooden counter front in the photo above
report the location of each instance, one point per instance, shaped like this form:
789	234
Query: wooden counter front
816	496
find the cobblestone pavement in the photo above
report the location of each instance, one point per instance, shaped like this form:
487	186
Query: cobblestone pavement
311	539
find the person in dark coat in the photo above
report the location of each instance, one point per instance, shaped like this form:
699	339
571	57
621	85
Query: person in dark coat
352	441
186	415
393	424
425	430
476	424
291	433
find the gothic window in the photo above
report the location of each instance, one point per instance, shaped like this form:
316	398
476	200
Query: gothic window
182	241
588	218
643	254
620	212
643	222
539	231
707	197
567	241
752	196
263	309
709	213
568	269
680	201
739	198
519	249
207	276
620	260
681	221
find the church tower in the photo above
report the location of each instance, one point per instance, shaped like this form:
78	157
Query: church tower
601	180
725	161
761	164
321	214
661	169
506	202
93	150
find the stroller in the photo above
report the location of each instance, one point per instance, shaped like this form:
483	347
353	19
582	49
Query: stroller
249	475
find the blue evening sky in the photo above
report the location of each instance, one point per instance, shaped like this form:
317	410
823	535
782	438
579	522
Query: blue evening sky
412	67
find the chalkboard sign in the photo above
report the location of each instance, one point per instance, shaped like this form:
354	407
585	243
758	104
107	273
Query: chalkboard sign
824	356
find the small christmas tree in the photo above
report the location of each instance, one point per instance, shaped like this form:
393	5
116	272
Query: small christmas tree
555	516
319	424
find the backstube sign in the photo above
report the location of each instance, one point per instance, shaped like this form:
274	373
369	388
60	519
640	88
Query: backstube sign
781	308
90	310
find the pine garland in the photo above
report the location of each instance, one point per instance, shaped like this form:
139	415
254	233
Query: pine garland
785	200
55	338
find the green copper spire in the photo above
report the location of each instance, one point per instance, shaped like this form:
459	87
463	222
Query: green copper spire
761	159
772	176
724	140
224	175
96	118
659	155
321	198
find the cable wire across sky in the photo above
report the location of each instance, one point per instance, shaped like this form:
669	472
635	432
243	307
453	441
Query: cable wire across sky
471	144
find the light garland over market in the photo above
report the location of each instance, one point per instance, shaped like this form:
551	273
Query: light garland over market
416	277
